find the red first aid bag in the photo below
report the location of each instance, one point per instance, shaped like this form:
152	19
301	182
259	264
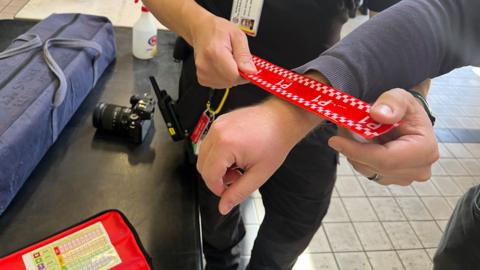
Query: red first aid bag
105	241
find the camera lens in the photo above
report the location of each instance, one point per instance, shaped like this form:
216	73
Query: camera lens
111	117
135	99
129	122
97	115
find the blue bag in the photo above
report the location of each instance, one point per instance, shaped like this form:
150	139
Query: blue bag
45	74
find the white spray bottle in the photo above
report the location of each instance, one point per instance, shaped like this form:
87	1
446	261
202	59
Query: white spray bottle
144	43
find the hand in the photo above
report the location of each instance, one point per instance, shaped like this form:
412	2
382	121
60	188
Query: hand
401	156
221	50
256	139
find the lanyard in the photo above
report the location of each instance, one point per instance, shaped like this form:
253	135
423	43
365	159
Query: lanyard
207	118
213	112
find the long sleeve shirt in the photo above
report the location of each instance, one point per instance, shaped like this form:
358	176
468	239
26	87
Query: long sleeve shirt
402	46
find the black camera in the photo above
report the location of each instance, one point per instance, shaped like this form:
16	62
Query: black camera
134	122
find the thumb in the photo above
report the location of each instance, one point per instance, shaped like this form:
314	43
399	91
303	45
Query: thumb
240	189
391	106
241	53
366	153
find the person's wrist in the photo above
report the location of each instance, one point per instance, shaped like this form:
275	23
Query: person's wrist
423	102
291	120
316	75
297	121
195	19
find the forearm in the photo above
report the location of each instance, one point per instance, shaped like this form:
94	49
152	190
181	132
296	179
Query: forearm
402	46
180	16
298	121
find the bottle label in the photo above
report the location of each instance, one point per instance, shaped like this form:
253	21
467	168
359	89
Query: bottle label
152	42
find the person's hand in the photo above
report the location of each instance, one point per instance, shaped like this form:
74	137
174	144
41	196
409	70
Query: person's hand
221	50
256	139
401	156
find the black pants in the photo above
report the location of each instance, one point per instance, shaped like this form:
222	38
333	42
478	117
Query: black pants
459	248
296	199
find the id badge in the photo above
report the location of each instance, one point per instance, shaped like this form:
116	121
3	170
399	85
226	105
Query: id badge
246	14
200	128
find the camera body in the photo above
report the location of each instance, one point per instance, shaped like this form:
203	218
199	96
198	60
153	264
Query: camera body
133	123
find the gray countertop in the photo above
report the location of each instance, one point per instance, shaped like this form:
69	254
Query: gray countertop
85	173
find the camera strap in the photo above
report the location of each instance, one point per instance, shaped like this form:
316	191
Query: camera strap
206	119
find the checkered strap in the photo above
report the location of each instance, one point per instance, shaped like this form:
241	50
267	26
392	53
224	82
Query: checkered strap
316	97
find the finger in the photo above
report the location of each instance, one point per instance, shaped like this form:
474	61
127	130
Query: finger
215	168
363	169
231	176
389	180
228	69
242	81
412	174
397	177
241	53
401	153
365	153
400	181
386	179
391	106
205	146
422	173
242	188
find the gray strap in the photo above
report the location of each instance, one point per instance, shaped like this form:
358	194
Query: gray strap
32	41
61	91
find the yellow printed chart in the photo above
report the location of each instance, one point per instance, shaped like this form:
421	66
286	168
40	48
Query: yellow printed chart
87	249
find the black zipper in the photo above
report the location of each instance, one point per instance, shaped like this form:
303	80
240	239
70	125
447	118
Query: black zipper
36	51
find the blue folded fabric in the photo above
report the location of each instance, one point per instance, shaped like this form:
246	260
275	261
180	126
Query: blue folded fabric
45	74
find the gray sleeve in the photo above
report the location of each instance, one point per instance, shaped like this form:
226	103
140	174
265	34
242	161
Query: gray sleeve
402	46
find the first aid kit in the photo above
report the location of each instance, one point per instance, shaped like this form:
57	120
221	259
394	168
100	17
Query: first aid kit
105	241
45	74
321	99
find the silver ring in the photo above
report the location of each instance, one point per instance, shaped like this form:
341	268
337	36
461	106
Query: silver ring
376	177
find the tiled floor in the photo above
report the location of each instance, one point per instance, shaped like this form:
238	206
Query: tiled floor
369	226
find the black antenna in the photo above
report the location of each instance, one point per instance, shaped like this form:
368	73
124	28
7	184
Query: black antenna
159	93
167	108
